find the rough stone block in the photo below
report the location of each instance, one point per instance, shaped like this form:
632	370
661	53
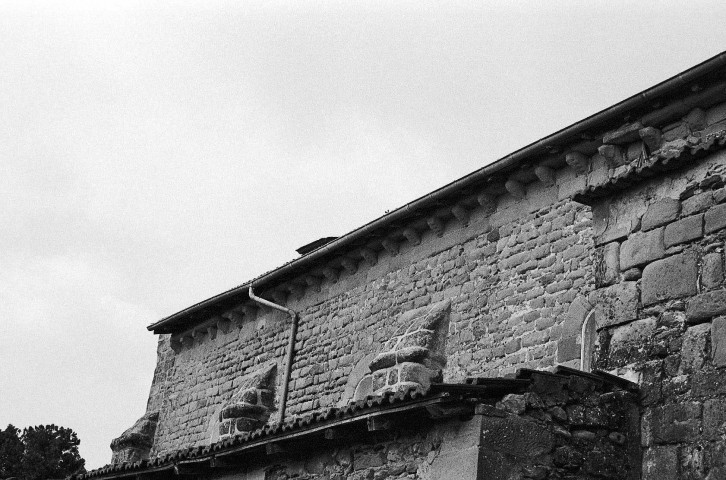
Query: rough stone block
641	248
712	271
697	203
638	332
608	223
693	350
135	443
568	349
672	277
570	185
684	230
716	218
676	422
616	304
719	196
680	130
718	342
714	418
513	345
659	213
512	403
515	437
716	114
706	305
607	271
661	463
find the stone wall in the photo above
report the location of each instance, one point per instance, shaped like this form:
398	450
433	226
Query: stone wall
511	273
562	427
659	310
437	451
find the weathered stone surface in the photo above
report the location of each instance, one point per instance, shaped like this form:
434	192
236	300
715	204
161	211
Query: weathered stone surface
714	418
637	332
716	218
512	403
641	248
632	274
504	316
676	422
684	230
660	213
712	271
696	119
693	351
576	314
609	224
697	203
250	407
515	437
568	349
135	443
718	342
660	463
672	277
616	304
625	134
406	354
607	271
706	305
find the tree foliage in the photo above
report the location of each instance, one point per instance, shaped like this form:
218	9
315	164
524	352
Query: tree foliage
39	453
11	452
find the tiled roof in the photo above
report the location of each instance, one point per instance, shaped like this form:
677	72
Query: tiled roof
665	159
409	400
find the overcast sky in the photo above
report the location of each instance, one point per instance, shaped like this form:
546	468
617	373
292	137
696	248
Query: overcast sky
153	154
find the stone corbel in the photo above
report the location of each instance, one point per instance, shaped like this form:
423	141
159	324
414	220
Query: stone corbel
176	343
224	323
436	225
611	153
313	282
390	245
212	331
412	236
545	175
199	335
461	214
487	201
369	255
349	265
578	161
651	138
516	189
331	274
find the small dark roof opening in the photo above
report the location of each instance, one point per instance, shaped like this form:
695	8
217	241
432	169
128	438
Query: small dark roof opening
314	245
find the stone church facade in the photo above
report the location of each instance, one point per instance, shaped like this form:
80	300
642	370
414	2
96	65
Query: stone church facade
558	314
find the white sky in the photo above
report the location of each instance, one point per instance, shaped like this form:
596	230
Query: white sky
153	154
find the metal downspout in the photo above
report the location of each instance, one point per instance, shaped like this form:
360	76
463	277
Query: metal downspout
290	347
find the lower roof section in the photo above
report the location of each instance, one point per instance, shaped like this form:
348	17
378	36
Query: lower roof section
357	419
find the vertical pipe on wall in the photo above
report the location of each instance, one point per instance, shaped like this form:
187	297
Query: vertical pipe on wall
587	341
290	347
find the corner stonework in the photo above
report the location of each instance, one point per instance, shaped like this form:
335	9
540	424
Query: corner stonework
415	356
250	408
135	443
